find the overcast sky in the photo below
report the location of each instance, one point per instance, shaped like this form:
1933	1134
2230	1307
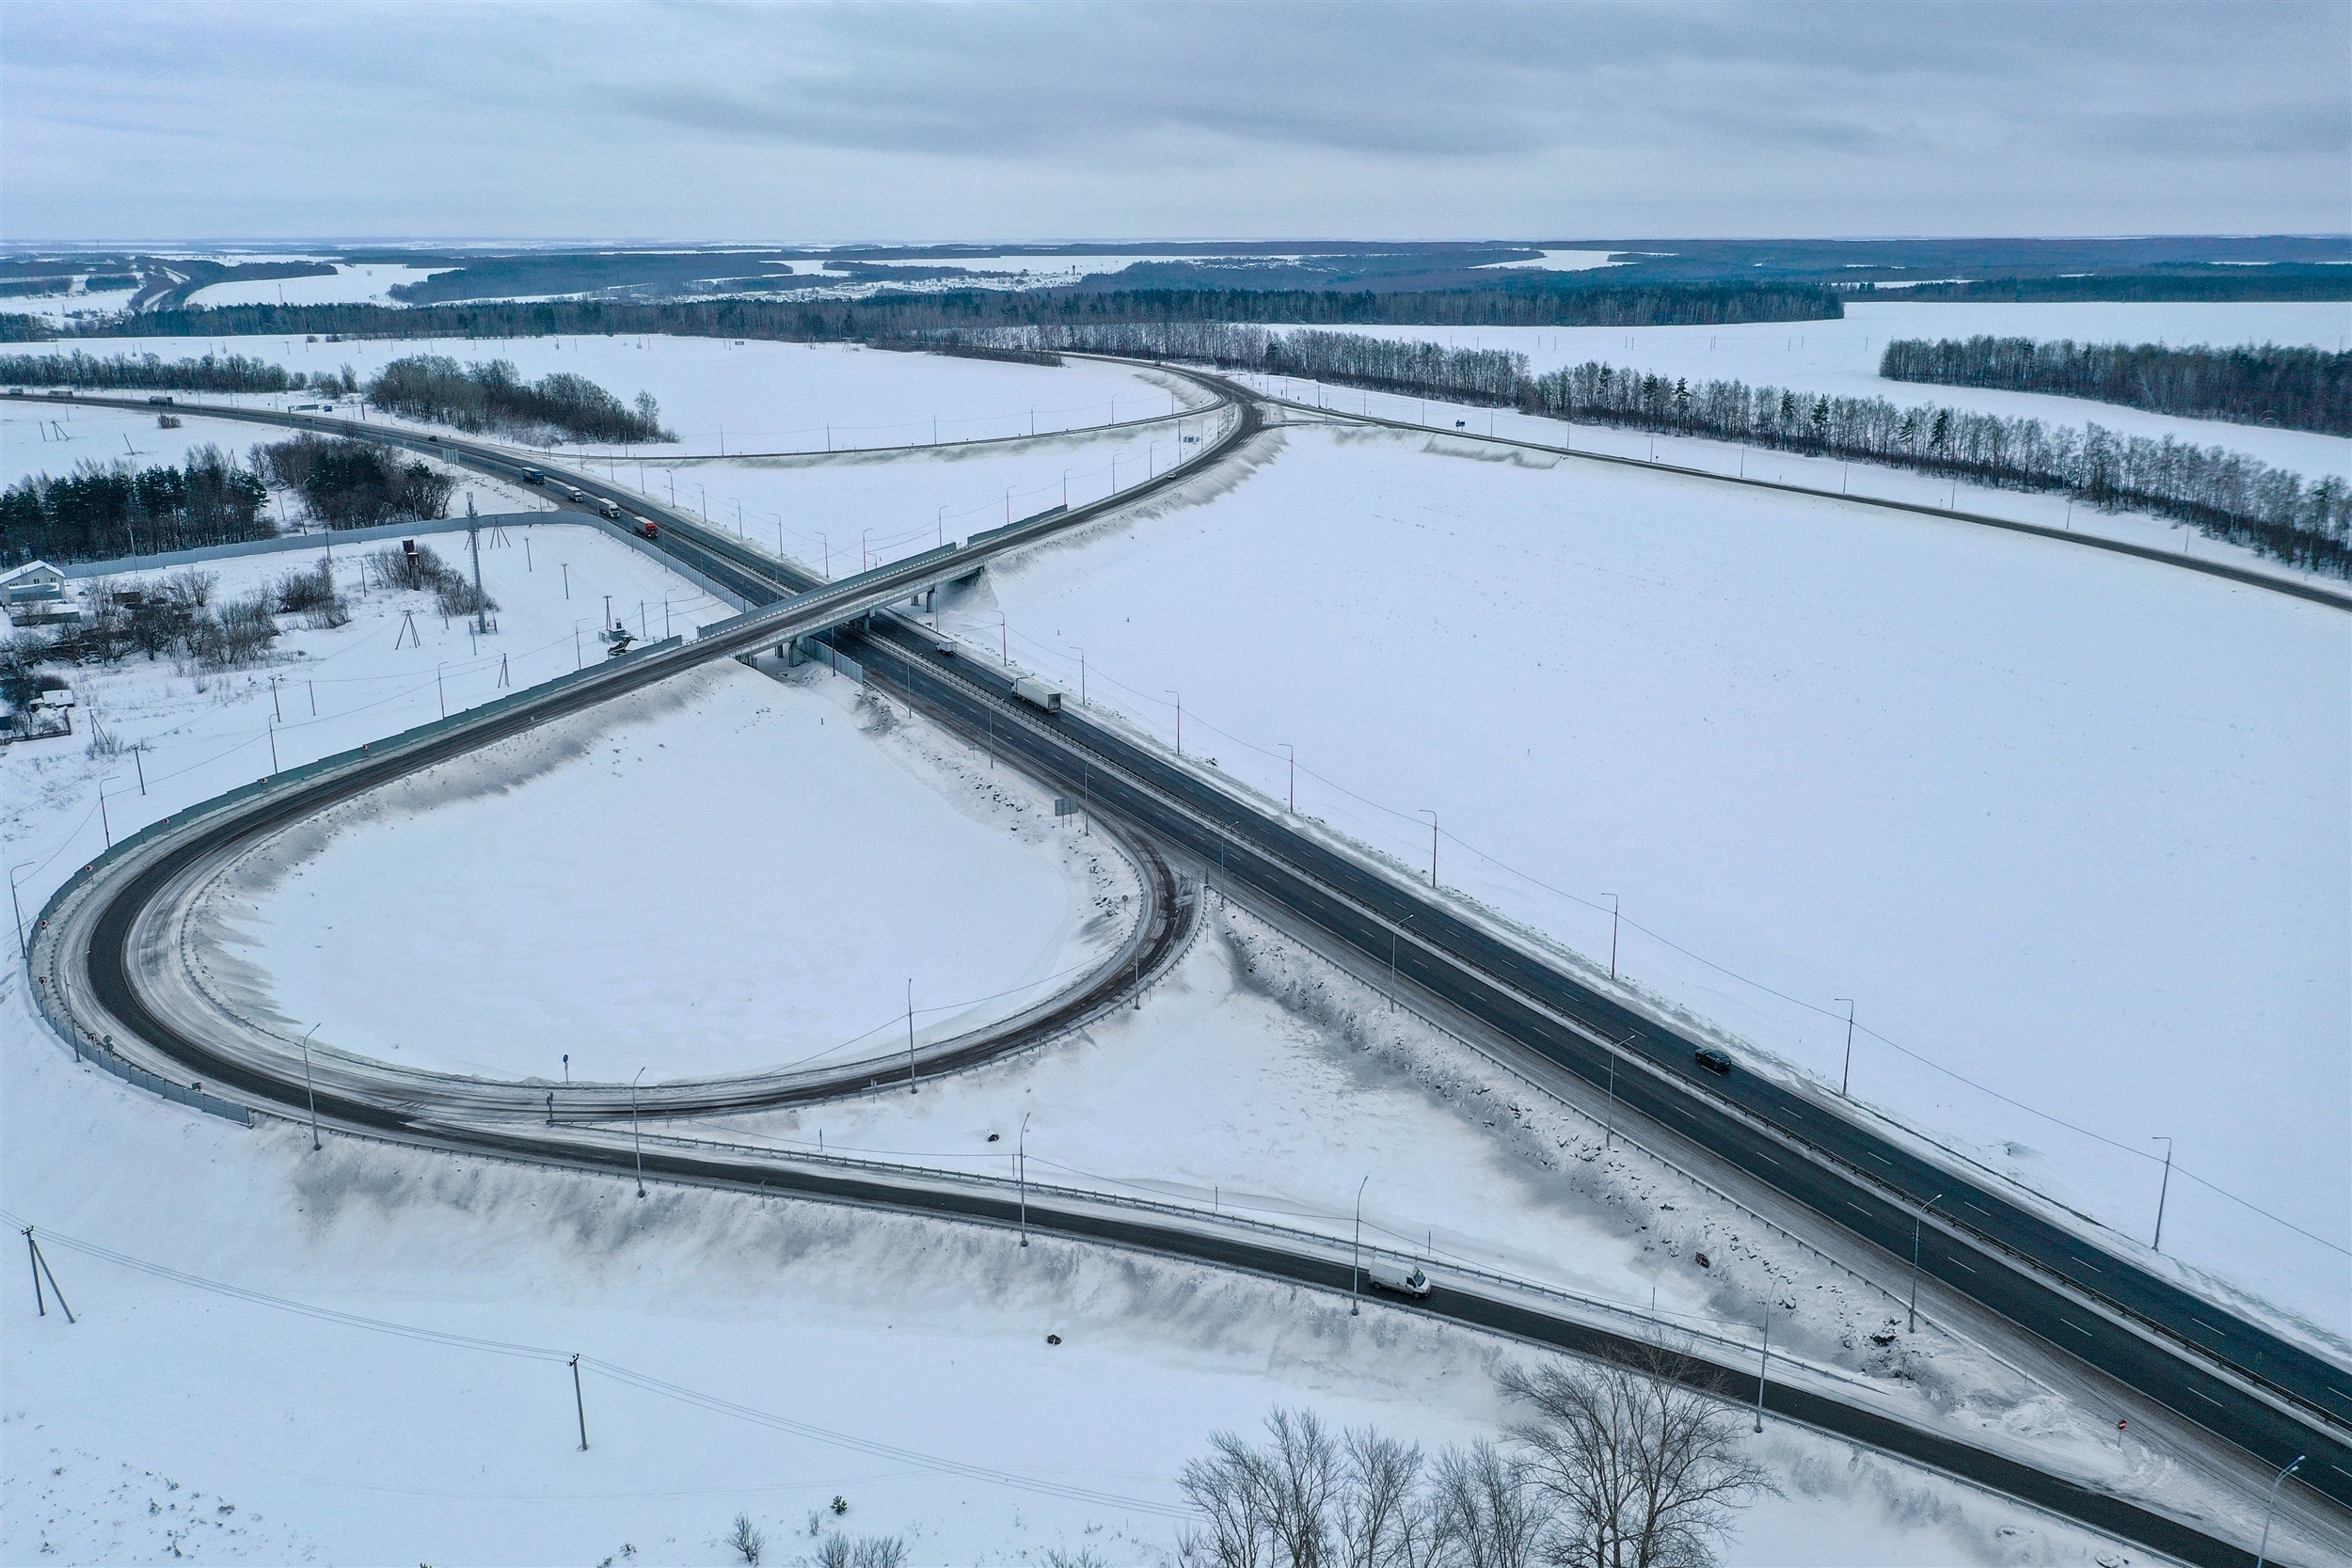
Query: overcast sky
1101	120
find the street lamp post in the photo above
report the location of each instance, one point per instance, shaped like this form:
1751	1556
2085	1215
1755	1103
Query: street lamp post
1764	1368
2162	1190
309	1088
2262	1553
1356	1258
1021	1165
636	1138
1845	1079
1917	1221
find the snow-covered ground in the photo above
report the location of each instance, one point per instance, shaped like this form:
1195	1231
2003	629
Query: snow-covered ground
176	1418
1841	358
842	513
2048	814
1830	475
205	733
174	1422
723	873
37	436
721	396
350	283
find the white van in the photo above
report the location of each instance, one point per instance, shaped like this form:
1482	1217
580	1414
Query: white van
1405	1279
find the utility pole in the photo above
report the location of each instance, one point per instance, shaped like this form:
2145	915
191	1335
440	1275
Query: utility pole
310	1087
1292	753
580	1404
1917	1221
1180	717
1764	1366
473	542
635	1137
1021	1165
1432	844
1845	1079
912	1087
2162	1191
1082	678
1613	933
1356	1259
23	948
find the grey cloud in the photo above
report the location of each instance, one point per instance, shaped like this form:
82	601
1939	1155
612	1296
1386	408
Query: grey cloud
1120	119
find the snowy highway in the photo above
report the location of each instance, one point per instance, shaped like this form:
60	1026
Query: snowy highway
2143	1331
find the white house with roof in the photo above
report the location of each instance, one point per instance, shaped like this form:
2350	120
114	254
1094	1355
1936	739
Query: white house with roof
35	595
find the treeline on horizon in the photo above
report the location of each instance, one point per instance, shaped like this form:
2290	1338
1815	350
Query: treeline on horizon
2300	388
490	396
2221	285
2223	494
968	309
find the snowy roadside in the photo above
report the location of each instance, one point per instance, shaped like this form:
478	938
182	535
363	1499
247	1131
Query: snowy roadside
1754	717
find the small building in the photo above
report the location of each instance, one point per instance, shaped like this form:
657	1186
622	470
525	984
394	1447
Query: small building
34	594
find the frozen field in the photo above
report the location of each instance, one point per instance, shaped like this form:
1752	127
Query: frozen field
721	396
177	1420
839	513
54	438
1829	475
350	283
1841	358
2049	816
724	874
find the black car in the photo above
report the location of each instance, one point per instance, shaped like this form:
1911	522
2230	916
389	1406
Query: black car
1714	1061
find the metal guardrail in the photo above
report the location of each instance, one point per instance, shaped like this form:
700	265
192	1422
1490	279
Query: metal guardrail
1453	1268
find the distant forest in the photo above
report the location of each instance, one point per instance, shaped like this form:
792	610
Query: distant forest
972	309
101	511
2221	493
490	396
2218	284
2300	388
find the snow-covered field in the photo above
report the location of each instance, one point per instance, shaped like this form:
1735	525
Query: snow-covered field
41	438
1841	358
1829	475
723	873
2048	815
168	1420
350	283
204	733
727	397
839	513
175	1419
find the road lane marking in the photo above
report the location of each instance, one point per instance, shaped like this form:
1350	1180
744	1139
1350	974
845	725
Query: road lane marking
2078	1328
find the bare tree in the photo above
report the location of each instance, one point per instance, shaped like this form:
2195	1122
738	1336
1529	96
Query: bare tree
1383	1519
1484	1512
1234	1493
746	1540
1637	1470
